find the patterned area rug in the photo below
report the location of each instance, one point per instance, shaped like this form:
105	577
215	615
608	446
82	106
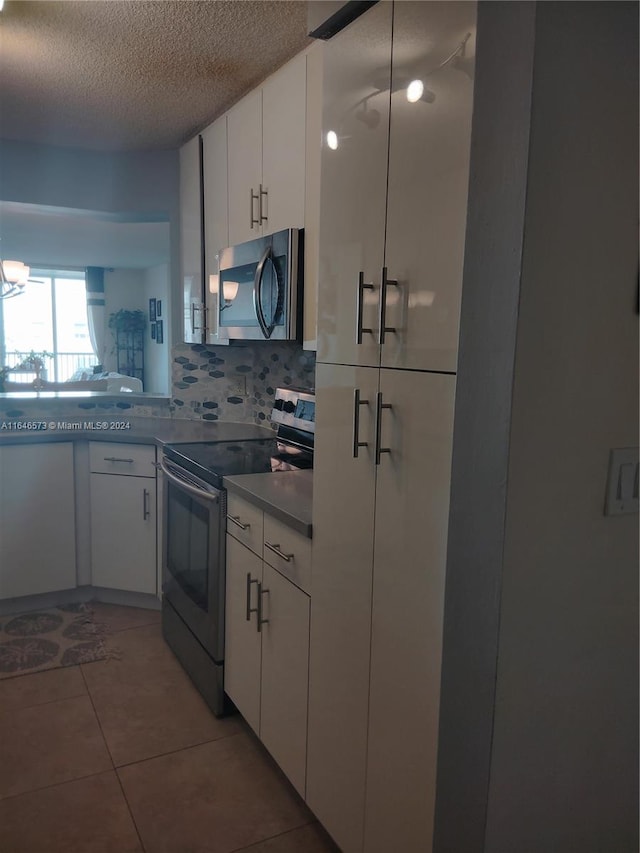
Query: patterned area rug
47	639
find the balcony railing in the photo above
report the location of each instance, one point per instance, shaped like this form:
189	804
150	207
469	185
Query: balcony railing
58	368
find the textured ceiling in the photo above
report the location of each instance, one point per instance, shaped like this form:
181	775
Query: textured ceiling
114	75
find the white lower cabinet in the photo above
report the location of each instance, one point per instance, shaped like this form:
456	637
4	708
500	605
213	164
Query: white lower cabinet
380	534
267	651
243	643
37	519
123	518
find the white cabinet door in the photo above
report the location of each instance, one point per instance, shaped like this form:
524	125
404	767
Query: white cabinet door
191	249
428	182
37	519
284	97
343	516
412	508
123	532
243	656
357	67
244	135
285	675
216	215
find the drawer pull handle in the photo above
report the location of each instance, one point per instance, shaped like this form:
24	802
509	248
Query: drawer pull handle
236	521
117	459
276	550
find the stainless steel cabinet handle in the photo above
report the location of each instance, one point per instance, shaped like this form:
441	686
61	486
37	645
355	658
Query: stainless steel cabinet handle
276	550
253	197
251	609
195	306
237	522
357	402
379	407
362	286
383	328
261	621
263	193
117	459
146	512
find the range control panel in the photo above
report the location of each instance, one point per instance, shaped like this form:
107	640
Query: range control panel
295	408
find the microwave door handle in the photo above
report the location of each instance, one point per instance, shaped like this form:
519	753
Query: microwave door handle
257	293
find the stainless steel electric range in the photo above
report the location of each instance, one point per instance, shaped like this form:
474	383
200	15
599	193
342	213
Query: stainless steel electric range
195	516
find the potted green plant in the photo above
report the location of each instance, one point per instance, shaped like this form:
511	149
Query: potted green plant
127	321
35	361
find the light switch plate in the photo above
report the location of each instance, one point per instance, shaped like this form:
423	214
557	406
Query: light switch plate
622	483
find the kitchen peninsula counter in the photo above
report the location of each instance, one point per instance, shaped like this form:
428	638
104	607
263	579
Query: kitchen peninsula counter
117	427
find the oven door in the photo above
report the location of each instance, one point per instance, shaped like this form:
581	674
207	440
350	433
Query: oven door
194	554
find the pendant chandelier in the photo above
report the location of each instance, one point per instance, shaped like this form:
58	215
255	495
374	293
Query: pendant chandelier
13	277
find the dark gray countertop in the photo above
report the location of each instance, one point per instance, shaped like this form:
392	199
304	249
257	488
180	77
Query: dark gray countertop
139	430
286	495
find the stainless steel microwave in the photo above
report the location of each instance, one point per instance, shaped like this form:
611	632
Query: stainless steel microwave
256	295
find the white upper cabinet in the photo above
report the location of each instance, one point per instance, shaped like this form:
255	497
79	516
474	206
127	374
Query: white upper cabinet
355	141
191	248
428	182
244	129
283	146
216	214
394	186
266	156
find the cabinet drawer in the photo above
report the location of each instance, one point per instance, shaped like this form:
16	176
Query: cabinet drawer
244	523
135	460
288	551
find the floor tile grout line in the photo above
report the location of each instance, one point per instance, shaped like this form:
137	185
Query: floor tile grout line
11	711
95	711
115	769
130	810
56	784
173	751
247	848
40	704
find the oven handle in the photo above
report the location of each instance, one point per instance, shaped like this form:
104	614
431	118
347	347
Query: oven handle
193	490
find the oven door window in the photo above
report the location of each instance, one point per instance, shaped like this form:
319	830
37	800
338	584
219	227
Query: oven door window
188	545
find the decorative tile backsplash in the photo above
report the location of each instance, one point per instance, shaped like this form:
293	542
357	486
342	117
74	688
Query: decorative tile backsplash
236	383
58	409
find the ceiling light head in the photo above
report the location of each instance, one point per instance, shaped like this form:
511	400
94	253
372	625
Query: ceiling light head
13	277
15	272
332	140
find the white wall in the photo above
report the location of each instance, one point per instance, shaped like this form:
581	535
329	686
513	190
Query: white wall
156	356
140	183
564	771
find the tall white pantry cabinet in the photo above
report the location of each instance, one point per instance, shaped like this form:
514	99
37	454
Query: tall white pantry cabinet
392	226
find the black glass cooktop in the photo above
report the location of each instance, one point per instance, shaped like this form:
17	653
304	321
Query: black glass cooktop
211	461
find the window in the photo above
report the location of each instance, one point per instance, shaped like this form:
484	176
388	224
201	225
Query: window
51	316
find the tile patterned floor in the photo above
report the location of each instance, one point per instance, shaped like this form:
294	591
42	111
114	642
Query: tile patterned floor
123	756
